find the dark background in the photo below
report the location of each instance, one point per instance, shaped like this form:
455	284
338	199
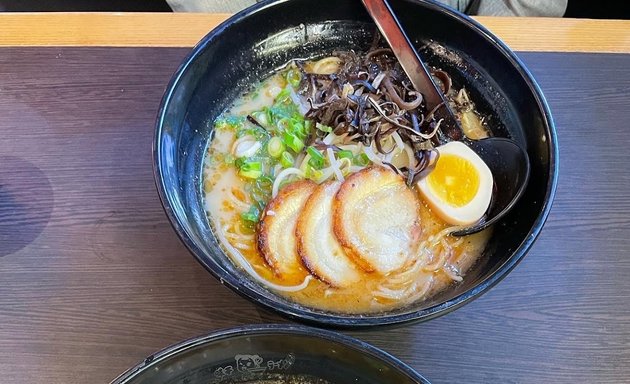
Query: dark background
600	9
84	6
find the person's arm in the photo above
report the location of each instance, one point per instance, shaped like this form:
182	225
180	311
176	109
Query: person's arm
555	8
223	6
472	7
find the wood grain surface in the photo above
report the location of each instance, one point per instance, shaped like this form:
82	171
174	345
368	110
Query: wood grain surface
93	278
186	29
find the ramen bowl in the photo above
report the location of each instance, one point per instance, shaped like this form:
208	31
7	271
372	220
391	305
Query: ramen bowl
269	354
251	44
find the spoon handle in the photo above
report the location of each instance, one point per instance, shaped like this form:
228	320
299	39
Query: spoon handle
420	78
387	23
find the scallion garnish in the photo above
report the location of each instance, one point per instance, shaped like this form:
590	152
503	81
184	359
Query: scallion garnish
292	141
324	128
294	77
284	95
252	215
286	159
313	173
361	159
275	147
345	154
262	118
317	160
250	169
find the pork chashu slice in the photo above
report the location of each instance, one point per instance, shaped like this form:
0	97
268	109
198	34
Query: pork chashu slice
276	230
376	219
316	242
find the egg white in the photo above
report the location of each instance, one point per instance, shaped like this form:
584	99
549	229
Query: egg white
473	211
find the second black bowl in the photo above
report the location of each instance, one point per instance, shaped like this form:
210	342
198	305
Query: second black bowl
271	353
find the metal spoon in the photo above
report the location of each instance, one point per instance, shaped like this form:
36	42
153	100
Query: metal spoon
507	161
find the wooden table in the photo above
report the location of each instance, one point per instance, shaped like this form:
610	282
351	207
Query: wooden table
93	278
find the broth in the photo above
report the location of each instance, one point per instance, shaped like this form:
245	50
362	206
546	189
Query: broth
440	259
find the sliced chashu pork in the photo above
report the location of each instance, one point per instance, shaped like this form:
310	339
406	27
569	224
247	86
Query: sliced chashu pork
276	230
376	219
316	242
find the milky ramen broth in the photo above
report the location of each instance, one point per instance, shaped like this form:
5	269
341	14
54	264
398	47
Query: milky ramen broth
263	144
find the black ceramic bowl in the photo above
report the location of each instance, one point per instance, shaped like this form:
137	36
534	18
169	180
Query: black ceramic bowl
270	352
249	45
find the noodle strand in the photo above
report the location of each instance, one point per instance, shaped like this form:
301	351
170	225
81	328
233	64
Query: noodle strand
242	262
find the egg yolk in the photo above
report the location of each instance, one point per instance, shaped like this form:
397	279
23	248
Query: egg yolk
454	180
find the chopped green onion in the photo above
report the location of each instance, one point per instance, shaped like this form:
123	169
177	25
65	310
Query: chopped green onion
275	147
252	130
345	154
229	123
269	117
250	174
308	126
249	169
361	159
283	125
313	174
284	95
264	183
297	128
286	159
317	160
293	142
324	128
248	228
344	164
280	111
294	77
228	159
252	215
261	117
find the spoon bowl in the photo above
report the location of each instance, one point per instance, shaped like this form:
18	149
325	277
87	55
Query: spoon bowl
509	165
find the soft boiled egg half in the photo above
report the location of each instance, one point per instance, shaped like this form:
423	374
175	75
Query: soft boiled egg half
459	188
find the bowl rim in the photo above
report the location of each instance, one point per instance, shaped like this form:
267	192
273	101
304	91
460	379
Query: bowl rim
268	329
339	320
